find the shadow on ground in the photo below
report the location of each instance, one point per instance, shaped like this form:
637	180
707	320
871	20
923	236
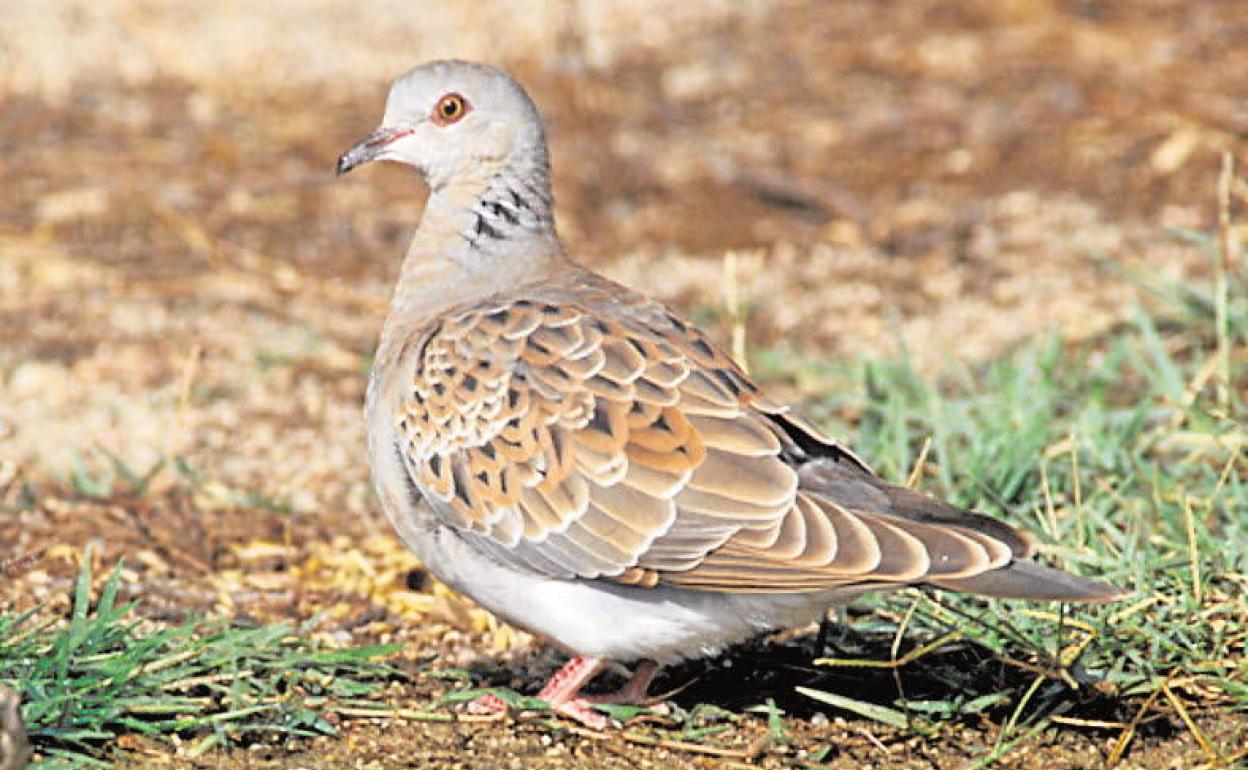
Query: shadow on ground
945	683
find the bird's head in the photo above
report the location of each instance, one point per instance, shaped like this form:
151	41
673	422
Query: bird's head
455	121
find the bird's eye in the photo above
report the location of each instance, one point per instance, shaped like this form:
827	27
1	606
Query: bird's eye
451	108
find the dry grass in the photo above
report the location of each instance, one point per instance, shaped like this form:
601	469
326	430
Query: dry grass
52	50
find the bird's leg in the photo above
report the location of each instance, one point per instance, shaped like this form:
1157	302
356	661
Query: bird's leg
562	692
636	691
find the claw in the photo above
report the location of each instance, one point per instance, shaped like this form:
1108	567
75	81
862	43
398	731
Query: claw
488	705
582	710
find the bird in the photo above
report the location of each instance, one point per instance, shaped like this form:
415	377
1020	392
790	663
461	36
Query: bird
584	462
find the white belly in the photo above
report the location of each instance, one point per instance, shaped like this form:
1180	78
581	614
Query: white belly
604	620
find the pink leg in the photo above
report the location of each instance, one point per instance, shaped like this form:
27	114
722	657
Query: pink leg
636	691
562	691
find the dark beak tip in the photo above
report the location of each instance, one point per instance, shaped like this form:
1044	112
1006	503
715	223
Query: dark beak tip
344	165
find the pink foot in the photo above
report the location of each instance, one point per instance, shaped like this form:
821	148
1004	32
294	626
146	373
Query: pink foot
488	705
582	710
562	692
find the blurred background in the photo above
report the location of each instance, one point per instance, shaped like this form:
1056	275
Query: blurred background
189	299
951	177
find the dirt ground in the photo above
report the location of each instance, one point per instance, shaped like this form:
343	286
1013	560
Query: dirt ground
181	276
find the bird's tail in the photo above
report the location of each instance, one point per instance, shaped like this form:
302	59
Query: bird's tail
1025	579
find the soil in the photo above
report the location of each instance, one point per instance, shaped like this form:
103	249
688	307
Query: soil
182	277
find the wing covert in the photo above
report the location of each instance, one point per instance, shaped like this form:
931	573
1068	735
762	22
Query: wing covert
618	443
576	443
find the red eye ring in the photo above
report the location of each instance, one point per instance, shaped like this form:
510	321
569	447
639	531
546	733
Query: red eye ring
451	108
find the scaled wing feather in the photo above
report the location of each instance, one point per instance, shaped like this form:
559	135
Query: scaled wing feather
596	435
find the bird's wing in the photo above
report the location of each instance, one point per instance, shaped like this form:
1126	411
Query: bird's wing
610	440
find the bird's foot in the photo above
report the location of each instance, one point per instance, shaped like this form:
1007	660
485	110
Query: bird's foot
489	705
635	692
583	711
562	692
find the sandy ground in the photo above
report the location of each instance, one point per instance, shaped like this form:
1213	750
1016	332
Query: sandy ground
182	277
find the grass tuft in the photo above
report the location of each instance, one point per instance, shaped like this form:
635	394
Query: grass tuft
1127	455
99	675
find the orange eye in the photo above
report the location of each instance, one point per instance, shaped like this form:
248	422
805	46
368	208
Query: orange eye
451	108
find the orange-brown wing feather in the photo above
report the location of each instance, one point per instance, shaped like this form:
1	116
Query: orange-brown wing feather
618	443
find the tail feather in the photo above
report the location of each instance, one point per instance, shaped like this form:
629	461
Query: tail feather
1024	579
852	488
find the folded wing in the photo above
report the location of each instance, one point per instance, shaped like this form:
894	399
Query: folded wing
601	437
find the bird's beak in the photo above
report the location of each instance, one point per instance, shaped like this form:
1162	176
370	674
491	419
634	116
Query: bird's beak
369	149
